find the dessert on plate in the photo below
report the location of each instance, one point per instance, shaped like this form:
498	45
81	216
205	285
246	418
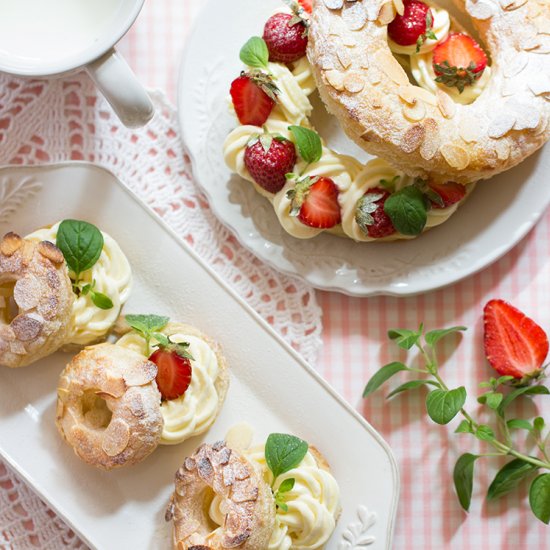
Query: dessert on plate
464	112
161	383
407	83
277	496
101	287
313	188
61	286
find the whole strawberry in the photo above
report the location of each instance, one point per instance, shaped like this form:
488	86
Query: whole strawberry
286	37
370	215
514	344
414	26
269	159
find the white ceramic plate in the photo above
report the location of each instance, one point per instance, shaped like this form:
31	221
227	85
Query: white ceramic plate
499	213
271	386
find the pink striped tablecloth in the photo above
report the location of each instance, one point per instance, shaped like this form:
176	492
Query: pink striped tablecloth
355	345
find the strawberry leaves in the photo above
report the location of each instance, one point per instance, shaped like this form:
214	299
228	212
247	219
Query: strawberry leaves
443	404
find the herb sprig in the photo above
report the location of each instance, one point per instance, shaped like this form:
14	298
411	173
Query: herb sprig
148	326
81	244
283	453
443	404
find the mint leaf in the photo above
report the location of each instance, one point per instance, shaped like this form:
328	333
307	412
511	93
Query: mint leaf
308	143
443	405
519	424
384	374
287	485
538	424
539	498
405	338
434	336
508	477
284	452
407	210
464	428
147	324
81	244
491	399
485	433
255	53
463	477
528	390
412	385
101	300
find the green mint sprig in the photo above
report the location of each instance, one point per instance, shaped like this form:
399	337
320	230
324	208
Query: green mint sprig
255	54
81	244
283	453
443	404
148	326
408	210
429	32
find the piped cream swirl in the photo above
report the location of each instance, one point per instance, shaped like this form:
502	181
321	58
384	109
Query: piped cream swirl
313	504
113	277
196	410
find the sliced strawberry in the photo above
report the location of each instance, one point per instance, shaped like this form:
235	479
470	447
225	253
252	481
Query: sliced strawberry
286	38
370	215
448	193
413	26
174	369
269	159
251	99
458	61
307	5
315	202
514	344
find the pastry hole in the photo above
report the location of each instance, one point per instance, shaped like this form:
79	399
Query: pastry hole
211	510
8	308
95	410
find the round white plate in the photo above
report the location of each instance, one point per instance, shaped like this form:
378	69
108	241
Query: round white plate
498	214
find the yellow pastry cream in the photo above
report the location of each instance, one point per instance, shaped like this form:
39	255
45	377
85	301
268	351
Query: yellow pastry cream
311	508
195	411
350	176
111	276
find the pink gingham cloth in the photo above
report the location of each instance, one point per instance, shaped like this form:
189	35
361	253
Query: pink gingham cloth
355	346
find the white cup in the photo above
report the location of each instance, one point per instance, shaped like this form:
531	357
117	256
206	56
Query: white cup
46	38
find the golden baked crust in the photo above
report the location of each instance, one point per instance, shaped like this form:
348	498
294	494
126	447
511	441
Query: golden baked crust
247	498
428	135
108	406
44	297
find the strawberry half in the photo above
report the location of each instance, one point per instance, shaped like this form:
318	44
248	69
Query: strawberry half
514	344
446	194
370	215
414	26
174	367
254	96
307	5
315	202
268	159
286	37
458	61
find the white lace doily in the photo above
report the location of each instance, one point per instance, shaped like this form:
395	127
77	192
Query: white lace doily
59	120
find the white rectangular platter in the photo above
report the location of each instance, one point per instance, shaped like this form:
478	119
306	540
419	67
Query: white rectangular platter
272	388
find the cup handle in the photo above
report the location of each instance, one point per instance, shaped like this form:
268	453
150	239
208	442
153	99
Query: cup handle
122	89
